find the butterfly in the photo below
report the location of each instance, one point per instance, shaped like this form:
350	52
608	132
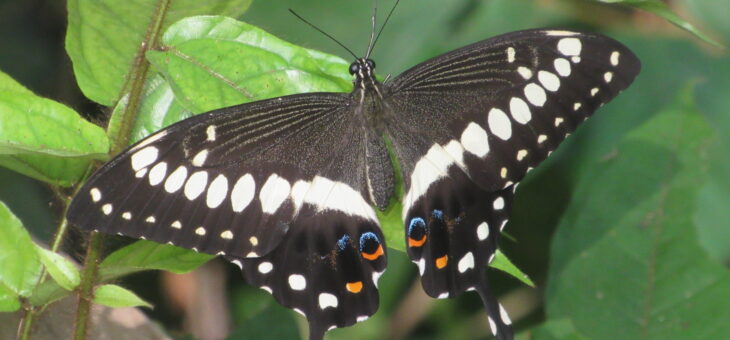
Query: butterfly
286	188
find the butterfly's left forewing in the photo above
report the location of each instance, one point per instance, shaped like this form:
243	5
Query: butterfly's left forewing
468	125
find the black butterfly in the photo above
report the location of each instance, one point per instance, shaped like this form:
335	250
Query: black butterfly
285	187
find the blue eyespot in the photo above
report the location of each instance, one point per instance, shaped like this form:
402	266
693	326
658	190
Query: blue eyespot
368	240
417	225
437	214
343	242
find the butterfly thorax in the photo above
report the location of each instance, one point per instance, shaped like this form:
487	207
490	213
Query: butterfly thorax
368	100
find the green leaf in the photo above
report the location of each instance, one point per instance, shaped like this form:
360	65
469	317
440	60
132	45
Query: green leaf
103	37
47	292
214	62
626	262
158	109
712	14
502	262
661	9
115	296
45	139
260	325
20	267
558	329
8	84
8	299
61	269
146	255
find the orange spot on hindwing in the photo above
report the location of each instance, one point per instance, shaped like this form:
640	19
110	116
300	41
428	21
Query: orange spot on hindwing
442	261
375	255
354	287
416	243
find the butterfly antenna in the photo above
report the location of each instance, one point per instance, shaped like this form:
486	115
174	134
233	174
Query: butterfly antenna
372	30
382	27
323	32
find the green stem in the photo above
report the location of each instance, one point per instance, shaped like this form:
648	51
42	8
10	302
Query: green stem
120	139
86	289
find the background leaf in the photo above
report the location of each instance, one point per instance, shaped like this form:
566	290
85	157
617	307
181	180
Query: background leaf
8	299
213	62
669	284
20	264
117	296
63	271
103	37
146	255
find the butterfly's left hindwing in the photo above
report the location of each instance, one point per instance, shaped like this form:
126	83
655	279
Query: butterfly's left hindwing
326	268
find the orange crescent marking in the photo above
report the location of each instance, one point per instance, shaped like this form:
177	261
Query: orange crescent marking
374	256
354	287
416	243
442	261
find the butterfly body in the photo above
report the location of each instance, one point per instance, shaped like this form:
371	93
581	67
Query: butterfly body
286	187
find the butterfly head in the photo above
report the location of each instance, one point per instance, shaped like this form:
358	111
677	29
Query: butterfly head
362	69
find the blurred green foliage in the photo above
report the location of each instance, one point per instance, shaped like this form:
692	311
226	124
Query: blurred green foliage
623	229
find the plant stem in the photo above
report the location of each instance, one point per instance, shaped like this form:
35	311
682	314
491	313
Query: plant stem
86	294
120	139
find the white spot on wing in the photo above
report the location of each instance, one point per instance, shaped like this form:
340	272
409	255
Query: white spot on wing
524	72
144	157
499	124
200	231
106	209
559	33
95	194
483	231
549	80
503	315
421	266
535	94
577	106
176	179
297	282
273	193
150	219
541	138
558	121
521	154
265	267
475	140
614	58
210	132
199	159
498	203
157	174
141	173
176	225
376	278
195	185
217	192
562	66
127	215
327	300
243	192
594	91
492	326
228	235
569	46
456	151
443	295
608	76
510	54
433	166
466	262
519	110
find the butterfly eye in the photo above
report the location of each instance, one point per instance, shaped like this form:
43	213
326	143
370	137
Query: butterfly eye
371	63
417	232
370	246
354	67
